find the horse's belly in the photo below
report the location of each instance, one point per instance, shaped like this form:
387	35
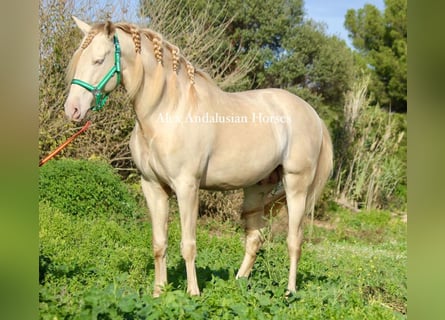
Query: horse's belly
237	174
243	157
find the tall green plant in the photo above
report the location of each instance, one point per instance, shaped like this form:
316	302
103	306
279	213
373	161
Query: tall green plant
371	154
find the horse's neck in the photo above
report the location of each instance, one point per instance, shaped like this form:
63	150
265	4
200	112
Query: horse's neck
162	90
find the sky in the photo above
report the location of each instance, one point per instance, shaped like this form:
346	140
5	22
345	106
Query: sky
333	13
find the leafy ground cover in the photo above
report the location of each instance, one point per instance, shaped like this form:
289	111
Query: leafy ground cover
101	267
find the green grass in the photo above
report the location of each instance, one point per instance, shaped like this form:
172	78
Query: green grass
97	267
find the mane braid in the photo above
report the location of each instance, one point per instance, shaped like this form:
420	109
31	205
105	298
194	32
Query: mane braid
157	43
191	72
174	50
136	39
134	31
89	38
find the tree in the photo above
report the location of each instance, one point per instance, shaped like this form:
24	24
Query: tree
249	31
381	39
284	49
199	29
318	67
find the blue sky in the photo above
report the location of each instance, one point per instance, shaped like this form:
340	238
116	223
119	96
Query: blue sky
333	13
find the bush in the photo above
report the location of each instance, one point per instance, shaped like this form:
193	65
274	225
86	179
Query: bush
370	155
81	187
224	205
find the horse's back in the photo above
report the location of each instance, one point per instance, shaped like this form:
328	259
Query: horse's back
279	127
288	115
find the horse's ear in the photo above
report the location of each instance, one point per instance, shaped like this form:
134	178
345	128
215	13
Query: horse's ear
85	27
109	28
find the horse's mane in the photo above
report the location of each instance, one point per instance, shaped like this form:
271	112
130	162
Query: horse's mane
160	48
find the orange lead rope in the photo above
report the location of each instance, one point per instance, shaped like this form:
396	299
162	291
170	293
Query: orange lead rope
52	154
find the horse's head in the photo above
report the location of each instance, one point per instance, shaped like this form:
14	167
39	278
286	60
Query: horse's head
94	69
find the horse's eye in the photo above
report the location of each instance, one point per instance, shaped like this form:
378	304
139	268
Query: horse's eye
99	61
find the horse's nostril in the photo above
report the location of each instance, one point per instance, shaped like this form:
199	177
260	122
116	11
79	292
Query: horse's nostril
76	113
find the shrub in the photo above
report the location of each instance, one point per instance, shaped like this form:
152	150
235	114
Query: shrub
370	154
225	205
82	187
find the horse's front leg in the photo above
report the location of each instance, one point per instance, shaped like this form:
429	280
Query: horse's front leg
188	200
157	201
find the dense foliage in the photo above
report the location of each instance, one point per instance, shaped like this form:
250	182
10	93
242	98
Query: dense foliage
370	147
382	41
82	187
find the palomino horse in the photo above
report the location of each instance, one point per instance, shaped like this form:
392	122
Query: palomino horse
189	134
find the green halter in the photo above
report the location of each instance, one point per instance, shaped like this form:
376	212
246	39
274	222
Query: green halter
97	91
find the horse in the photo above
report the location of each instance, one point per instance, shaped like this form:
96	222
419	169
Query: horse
189	134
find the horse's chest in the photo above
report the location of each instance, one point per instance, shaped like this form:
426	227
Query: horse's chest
163	156
141	153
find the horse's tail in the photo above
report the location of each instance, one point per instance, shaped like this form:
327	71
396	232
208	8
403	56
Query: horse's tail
323	171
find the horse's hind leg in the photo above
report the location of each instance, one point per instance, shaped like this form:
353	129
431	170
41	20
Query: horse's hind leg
296	187
253	218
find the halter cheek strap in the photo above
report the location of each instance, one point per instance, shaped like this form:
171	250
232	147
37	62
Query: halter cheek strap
98	91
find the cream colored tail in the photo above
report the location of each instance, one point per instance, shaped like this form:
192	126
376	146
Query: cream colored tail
323	172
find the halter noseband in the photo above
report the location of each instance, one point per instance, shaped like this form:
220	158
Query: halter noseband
97	91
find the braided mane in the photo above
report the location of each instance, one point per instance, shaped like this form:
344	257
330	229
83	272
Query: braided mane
161	47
